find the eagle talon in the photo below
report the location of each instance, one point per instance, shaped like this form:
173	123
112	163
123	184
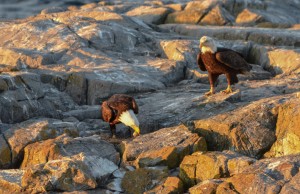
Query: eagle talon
114	137
227	91
209	93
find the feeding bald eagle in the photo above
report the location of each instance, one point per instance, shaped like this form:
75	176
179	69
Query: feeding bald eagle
219	61
121	108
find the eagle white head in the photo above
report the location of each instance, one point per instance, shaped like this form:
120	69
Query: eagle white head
128	118
207	44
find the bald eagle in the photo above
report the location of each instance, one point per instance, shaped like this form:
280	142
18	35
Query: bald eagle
121	108
219	61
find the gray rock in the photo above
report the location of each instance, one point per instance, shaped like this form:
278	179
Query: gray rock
10	181
20	135
85	112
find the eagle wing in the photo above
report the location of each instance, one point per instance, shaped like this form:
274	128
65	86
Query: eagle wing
107	112
122	102
233	59
200	62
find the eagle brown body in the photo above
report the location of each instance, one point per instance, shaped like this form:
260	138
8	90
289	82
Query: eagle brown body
219	61
113	108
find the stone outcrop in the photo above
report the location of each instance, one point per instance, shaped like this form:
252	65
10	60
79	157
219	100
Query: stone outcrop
64	146
143	179
60	64
200	167
166	146
19	136
287	130
269	175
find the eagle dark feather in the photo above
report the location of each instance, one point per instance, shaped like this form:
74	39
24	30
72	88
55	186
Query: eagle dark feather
113	108
219	61
115	105
200	63
233	59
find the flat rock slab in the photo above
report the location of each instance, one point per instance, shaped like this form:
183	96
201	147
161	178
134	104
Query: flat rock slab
258	35
178	137
20	135
64	146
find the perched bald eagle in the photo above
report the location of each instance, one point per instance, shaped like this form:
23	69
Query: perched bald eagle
121	108
219	61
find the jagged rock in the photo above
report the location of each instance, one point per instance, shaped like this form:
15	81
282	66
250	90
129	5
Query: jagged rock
171	185
284	61
251	17
166	156
211	165
142	180
208	186
242	130
238	164
10	181
175	6
149	14
20	135
115	185
200	5
277	61
85	112
292	186
64	146
287	130
181	50
217	16
226	188
27	97
178	139
277	37
185	17
64	175
267	175
5	153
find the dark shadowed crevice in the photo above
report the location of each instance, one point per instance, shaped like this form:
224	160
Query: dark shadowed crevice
10	149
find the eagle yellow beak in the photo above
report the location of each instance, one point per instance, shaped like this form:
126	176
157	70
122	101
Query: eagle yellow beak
136	131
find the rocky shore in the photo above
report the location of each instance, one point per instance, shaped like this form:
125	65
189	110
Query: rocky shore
58	65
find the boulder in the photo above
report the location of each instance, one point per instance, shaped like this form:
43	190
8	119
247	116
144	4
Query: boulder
211	165
181	50
28	97
267	175
185	17
217	16
175	140
251	17
242	130
284	61
287	130
10	181
171	185
63	175
20	135
5	153
200	5
64	146
149	14
166	156
85	112
143	179
208	186
292	186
